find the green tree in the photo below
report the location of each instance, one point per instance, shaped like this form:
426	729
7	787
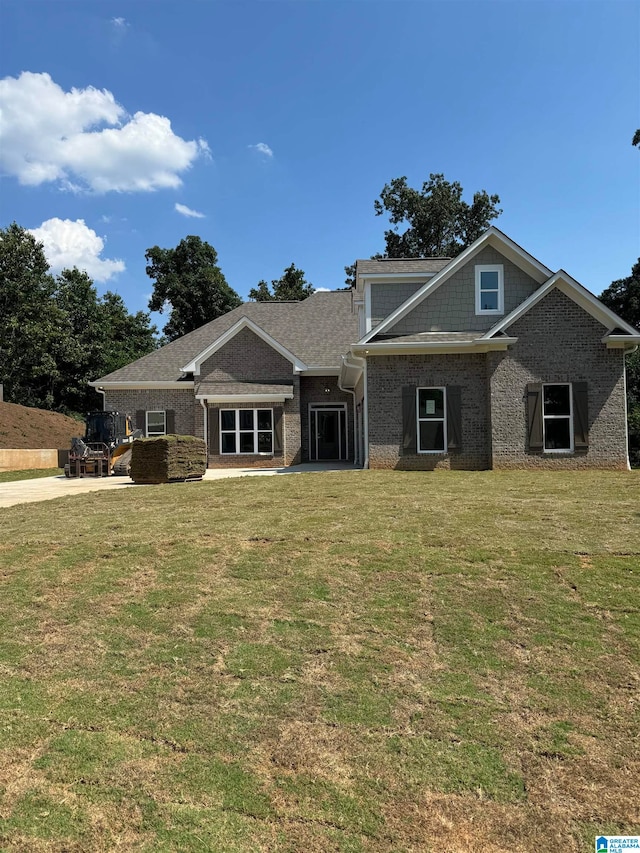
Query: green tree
636	138
437	222
623	297
128	336
290	287
56	334
31	325
80	352
189	284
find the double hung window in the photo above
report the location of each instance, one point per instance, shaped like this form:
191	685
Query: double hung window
557	417
246	431
489	289
432	420
156	424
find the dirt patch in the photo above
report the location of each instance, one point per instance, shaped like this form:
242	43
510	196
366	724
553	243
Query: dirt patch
22	428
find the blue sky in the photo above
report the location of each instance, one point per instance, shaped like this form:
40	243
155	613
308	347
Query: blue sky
280	122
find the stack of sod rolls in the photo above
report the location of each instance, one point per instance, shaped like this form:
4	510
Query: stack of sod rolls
168	458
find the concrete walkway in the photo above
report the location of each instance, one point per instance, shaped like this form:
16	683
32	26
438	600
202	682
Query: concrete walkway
47	488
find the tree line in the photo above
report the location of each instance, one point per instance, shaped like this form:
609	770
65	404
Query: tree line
56	333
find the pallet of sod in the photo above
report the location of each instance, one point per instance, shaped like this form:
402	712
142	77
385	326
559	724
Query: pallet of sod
167	459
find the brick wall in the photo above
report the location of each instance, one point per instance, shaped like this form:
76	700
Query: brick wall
452	307
246	357
312	390
557	342
386	377
183	404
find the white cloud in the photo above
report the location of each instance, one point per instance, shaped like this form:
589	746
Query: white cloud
323	290
73	244
262	148
119	23
48	134
187	211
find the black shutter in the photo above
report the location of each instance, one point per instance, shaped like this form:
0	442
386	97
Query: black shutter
141	421
409	419
534	414
170	422
454	417
277	430
214	431
580	418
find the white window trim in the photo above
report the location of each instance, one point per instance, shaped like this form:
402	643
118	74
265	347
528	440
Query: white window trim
499	268
255	431
163	412
419	420
545	418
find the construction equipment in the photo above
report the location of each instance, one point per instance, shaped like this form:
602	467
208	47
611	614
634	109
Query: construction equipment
106	447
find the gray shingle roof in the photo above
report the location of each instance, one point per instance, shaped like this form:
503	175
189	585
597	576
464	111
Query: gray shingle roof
430	337
394	267
317	330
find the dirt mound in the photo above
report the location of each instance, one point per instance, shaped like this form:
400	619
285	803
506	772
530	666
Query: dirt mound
22	428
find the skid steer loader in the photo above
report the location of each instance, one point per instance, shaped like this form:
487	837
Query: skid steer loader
105	448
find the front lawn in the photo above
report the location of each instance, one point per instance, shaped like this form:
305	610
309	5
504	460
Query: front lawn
355	661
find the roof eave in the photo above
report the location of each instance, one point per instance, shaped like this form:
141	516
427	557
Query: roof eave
621	341
140	385
244	398
433	347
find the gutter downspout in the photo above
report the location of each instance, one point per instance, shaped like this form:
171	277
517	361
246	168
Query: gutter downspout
626	413
365	406
360	363
104	398
205	421
356	444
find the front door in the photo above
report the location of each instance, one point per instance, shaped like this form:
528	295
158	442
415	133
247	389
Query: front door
327	432
328	438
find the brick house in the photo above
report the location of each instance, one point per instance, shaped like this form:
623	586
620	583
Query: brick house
487	360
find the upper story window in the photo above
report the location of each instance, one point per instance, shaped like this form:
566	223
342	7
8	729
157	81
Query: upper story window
489	289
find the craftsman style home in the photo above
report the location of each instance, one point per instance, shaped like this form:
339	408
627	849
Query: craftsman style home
486	360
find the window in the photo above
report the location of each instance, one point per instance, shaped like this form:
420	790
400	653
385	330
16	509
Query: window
489	289
246	431
156	424
557	417
432	420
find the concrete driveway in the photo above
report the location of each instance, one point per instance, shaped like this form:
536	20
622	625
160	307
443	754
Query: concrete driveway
47	488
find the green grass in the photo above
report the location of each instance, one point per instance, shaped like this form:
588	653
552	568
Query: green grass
357	662
29	474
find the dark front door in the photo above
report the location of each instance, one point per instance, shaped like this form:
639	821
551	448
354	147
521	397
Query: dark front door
328	435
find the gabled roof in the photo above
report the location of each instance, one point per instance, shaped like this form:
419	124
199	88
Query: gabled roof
580	295
492	237
316	331
243	323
